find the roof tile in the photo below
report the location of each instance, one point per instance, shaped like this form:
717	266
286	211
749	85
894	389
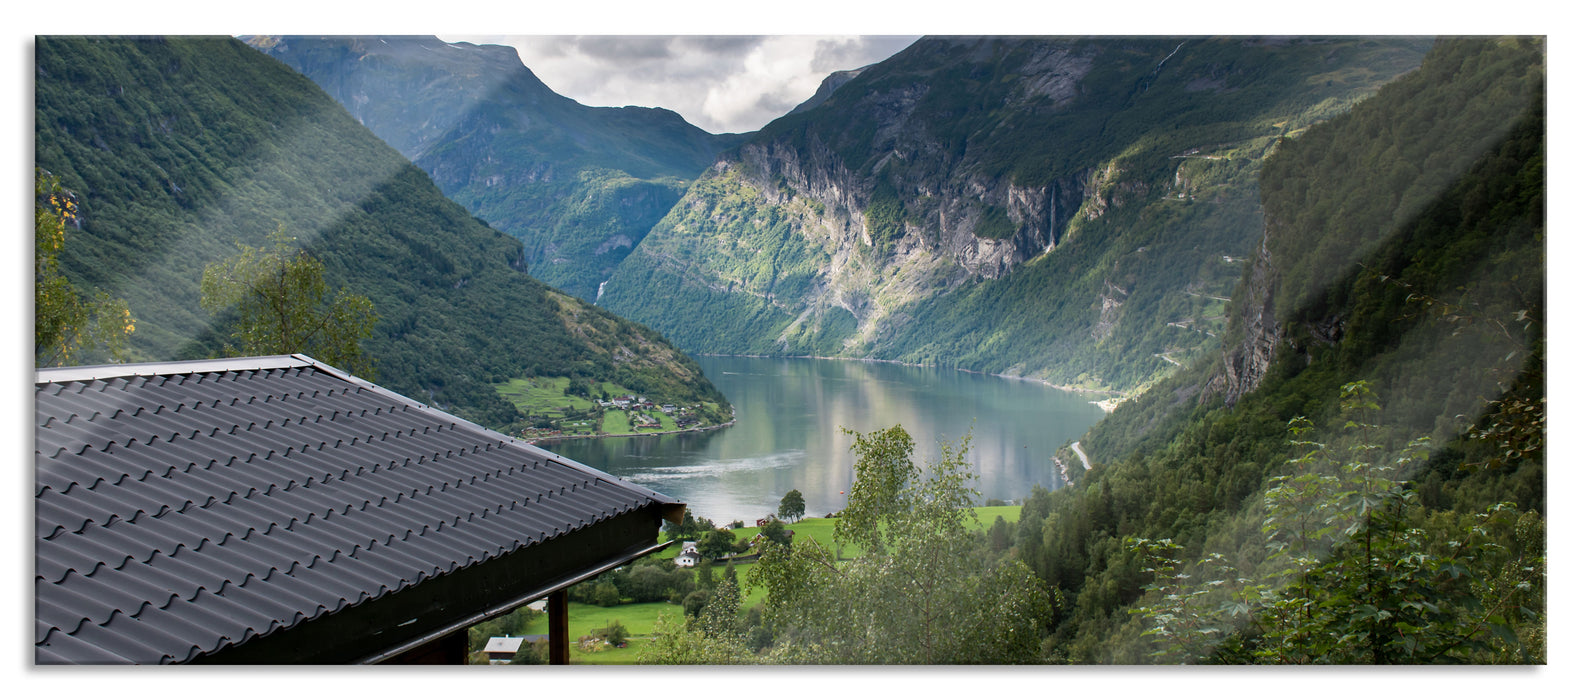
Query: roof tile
182	511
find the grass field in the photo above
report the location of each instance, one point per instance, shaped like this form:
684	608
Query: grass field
616	422
546	396
542	395
986	515
639	618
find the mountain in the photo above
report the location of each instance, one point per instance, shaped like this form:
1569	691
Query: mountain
178	149
825	89
1072	210
1382	376
581	186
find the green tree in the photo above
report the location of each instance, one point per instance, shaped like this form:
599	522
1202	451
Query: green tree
717	620
716	544
674	644
922	592
647	584
775	531
531	654
792	507
1000	535
693	603
613	632
1355	572
705	576
68	327
276	298
606	595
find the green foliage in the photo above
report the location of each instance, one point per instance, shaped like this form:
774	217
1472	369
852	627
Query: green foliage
531	654
612	632
718	619
792	506
1000	536
649	582
1442	317
996	224
674	644
692	605
1414	140
882	472
180	148
68	328
580	186
717	543
721	293
706	577
605	595
691	527
276	297
923	592
774	532
883	218
1355	572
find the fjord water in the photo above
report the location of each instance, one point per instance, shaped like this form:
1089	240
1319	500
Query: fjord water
789	415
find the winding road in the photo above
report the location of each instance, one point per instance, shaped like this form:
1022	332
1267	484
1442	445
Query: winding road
1077	448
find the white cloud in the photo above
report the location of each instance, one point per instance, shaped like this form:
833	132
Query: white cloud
719	83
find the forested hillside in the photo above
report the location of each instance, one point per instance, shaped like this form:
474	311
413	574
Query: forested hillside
179	149
581	186
1075	210
1328	488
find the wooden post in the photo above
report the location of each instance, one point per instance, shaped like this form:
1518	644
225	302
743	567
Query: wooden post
559	629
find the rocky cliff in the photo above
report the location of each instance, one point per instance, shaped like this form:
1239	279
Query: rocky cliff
1057	208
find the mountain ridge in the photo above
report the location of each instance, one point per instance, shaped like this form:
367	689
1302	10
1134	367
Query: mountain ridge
579	185
1418	357
180	148
1006	205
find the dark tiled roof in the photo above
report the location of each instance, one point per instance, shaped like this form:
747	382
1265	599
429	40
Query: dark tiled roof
181	508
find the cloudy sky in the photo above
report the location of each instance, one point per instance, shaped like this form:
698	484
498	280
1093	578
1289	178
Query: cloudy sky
726	83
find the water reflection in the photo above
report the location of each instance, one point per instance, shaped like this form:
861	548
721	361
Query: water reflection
789	416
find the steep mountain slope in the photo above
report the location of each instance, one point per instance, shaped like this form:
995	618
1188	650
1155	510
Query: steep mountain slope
1403	246
180	148
581	186
1069	209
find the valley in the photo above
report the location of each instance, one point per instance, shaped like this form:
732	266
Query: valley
1300	284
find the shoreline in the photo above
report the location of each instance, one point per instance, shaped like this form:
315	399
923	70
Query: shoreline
559	438
1106	405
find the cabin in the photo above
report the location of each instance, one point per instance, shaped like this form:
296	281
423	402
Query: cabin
275	510
501	650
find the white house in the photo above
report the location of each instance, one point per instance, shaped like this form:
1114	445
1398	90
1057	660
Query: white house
689	556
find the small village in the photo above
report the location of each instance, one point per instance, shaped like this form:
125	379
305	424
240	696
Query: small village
559	408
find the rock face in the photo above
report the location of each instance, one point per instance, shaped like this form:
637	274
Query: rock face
918	215
1247	356
1043	207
